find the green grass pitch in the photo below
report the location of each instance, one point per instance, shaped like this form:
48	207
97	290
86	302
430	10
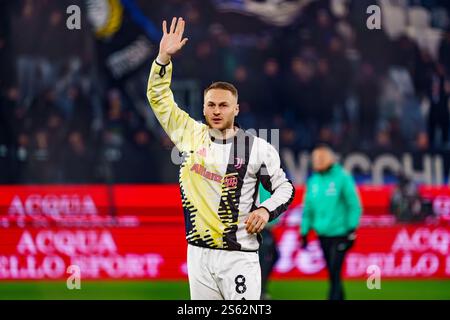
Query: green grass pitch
175	290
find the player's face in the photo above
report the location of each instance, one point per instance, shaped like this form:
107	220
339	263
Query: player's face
322	159
219	108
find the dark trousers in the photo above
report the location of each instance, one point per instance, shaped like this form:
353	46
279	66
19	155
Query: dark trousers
268	256
334	250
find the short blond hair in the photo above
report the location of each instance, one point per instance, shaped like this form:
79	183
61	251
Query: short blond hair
224	86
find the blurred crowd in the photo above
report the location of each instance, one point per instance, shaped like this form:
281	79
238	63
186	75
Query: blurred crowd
323	77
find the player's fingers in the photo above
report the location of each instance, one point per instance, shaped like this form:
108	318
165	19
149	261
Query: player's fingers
254	224
180	27
173	24
164	27
183	42
250	218
248	226
248	222
260	226
177	26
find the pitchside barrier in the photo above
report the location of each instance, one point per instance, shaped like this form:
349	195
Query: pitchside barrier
137	232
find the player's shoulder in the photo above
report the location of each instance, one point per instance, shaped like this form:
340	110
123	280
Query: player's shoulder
196	136
342	174
263	150
201	126
258	140
199	129
340	170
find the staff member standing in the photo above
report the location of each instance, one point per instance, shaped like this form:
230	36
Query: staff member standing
332	209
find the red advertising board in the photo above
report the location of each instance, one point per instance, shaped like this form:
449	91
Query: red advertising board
398	250
68	200
116	253
44	230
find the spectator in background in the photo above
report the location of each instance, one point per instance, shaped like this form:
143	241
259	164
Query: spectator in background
412	123
55	66
7	63
8	104
225	60
444	51
368	93
138	159
324	30
332	209
41	107
325	99
422	73
406	204
406	53
270	94
42	166
439	114
247	99
56	129
115	122
77	159
167	168
301	95
21	157
147	149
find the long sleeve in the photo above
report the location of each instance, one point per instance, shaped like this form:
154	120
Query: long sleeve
274	180
180	127
353	202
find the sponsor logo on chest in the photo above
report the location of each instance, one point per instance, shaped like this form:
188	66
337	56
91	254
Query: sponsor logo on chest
229	181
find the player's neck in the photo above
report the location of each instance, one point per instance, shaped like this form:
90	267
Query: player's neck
229	132
224	134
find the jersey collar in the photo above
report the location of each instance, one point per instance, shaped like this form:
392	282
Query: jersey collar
239	132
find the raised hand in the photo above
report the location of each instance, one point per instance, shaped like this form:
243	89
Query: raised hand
172	41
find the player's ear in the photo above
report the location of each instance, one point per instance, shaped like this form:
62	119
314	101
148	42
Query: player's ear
236	110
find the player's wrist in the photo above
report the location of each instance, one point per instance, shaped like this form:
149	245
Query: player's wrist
163	58
264	210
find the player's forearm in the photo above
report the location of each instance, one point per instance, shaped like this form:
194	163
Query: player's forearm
161	98
175	122
280	200
158	86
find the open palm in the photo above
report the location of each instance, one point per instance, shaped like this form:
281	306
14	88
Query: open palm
172	41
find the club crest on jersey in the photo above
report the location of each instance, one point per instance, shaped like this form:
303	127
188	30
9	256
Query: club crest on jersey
239	163
230	181
331	191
